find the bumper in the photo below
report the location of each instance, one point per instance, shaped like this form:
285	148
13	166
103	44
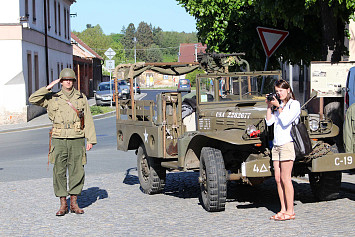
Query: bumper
334	162
104	102
257	168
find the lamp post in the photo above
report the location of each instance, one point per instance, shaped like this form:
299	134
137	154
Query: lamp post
135	60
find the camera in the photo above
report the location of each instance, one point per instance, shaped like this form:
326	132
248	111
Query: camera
270	97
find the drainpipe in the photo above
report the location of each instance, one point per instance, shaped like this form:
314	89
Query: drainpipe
46	38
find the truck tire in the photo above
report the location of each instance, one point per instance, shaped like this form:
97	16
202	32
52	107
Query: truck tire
150	173
213	182
325	185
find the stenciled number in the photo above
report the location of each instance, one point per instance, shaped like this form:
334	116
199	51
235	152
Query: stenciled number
346	160
261	170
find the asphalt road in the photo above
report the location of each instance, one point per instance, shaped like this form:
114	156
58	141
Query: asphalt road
24	153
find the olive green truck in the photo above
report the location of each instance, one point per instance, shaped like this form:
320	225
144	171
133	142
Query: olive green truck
220	131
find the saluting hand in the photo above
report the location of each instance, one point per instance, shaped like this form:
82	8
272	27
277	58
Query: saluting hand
50	86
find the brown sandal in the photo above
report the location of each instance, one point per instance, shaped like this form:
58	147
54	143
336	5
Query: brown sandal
277	215
286	217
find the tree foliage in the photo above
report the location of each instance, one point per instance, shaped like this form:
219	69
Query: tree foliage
95	39
153	44
316	27
144	34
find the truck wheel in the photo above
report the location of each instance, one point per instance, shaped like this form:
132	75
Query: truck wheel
325	185
213	182
150	173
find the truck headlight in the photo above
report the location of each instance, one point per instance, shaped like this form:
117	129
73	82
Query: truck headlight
313	125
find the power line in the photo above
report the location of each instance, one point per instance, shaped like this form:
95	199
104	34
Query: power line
177	47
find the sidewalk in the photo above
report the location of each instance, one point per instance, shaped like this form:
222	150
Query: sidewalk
42	121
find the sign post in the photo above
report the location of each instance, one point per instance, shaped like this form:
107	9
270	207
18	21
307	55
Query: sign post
271	39
110	65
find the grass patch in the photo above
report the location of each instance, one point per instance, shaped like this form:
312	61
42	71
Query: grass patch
101	109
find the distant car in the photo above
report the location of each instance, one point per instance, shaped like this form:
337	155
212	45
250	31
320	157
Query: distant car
103	96
184	85
123	89
136	88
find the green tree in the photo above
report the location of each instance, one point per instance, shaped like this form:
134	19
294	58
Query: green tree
316	27
127	41
144	34
154	54
96	39
192	76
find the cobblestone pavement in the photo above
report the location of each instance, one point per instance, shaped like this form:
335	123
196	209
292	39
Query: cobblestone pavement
114	206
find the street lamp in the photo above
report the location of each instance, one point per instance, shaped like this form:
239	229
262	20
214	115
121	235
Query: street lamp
135	60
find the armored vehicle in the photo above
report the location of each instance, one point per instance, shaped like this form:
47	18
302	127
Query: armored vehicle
220	131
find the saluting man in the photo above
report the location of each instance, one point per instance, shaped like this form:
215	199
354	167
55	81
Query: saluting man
70	113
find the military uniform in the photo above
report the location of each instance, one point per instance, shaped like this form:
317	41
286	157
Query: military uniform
349	130
68	138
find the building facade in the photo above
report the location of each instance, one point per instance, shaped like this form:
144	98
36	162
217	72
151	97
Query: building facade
87	66
36	45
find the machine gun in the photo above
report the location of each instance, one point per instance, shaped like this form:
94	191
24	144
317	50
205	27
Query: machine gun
214	62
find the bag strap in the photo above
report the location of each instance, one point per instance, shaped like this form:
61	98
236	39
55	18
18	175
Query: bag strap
72	106
299	116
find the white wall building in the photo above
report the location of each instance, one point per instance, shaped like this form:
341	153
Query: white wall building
35	46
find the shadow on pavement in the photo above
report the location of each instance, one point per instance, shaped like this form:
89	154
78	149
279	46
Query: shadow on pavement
90	196
131	179
185	185
182	184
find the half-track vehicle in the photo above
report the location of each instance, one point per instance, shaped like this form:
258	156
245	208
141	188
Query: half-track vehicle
220	131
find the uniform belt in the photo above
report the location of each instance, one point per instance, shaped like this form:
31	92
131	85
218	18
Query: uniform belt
64	126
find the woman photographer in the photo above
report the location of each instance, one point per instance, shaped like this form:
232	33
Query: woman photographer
282	110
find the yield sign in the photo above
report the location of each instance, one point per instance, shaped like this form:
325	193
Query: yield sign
271	39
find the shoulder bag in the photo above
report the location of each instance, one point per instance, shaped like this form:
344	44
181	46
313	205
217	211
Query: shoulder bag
301	140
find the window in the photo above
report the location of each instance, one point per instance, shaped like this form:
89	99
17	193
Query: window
34	10
48	15
58	69
36	72
26	9
55	17
65	23
29	73
59	23
52	75
68	20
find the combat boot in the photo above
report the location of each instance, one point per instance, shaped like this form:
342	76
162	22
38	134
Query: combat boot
74	208
63	207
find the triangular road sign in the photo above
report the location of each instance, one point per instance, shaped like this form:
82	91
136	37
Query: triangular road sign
271	39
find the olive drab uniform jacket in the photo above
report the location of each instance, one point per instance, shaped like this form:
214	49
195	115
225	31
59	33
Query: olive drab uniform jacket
66	123
349	130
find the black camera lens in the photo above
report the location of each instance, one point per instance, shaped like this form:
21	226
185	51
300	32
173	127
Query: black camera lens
270	97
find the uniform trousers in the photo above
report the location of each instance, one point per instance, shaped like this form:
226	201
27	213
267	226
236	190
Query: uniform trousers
68	155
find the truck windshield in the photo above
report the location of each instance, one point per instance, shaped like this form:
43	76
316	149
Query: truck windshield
242	87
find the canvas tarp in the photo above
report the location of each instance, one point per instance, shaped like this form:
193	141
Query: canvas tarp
175	69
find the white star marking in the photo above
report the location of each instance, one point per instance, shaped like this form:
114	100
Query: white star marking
145	135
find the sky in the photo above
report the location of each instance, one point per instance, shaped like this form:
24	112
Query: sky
112	15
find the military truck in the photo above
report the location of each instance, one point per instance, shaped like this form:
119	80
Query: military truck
220	131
